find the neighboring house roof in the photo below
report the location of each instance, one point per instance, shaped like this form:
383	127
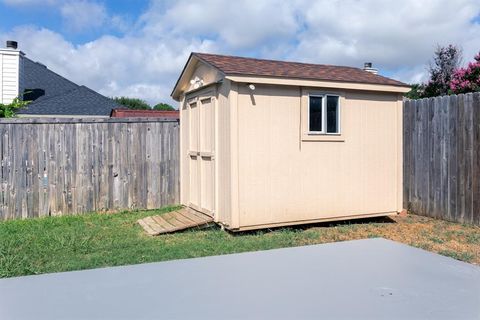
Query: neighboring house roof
231	65
128	113
62	96
81	101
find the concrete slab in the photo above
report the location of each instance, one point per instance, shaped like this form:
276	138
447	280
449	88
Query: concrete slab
365	279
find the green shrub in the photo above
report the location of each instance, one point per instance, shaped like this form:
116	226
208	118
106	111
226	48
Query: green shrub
10	110
132	103
163	106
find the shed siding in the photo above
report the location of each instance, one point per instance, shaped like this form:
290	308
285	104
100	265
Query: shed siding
184	172
223	185
283	179
400	151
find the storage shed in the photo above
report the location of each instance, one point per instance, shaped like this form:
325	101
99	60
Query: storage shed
271	143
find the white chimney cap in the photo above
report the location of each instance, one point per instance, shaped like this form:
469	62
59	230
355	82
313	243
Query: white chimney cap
367	66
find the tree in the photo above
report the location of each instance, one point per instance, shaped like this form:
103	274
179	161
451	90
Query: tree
132	103
445	61
163	106
10	110
467	79
416	91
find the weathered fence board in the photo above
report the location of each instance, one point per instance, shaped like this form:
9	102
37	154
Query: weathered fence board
71	166
442	157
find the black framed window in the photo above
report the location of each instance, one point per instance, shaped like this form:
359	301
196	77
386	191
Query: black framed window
316	114
324	114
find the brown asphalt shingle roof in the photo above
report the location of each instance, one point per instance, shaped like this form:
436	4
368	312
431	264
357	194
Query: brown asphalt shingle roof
231	65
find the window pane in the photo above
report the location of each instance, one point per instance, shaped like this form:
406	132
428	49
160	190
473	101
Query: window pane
332	114
315	114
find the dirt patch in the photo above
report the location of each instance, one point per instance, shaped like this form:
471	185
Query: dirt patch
455	240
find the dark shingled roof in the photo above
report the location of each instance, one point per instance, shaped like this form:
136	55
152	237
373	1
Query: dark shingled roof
80	101
231	65
62	96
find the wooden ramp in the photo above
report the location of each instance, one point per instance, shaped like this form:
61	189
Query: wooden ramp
174	221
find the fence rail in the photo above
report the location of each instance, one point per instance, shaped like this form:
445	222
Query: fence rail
442	157
70	166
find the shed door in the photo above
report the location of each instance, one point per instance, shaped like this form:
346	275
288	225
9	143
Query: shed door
201	155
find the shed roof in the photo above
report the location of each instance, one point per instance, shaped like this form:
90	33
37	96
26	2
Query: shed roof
232	65
275	71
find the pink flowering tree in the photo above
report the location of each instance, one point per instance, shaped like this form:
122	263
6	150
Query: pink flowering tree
466	79
445	61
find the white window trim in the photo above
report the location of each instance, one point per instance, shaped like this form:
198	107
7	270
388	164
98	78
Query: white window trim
324	115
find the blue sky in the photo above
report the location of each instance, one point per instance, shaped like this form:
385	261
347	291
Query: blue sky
48	16
138	48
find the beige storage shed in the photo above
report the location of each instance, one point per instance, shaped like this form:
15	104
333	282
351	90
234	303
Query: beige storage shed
270	143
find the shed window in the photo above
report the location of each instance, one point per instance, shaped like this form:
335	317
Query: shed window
315	113
324	114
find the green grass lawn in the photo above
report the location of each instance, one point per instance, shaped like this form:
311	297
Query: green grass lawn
88	241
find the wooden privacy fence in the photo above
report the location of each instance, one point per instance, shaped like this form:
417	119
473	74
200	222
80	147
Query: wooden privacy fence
67	166
442	157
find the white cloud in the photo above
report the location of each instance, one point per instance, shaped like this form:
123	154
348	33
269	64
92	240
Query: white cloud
391	34
238	24
144	67
398	37
83	15
417	74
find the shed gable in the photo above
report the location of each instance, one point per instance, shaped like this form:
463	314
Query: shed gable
195	74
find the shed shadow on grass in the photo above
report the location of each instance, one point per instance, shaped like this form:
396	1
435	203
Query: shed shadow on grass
294	228
326	224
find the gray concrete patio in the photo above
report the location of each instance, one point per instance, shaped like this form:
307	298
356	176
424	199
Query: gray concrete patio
364	279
